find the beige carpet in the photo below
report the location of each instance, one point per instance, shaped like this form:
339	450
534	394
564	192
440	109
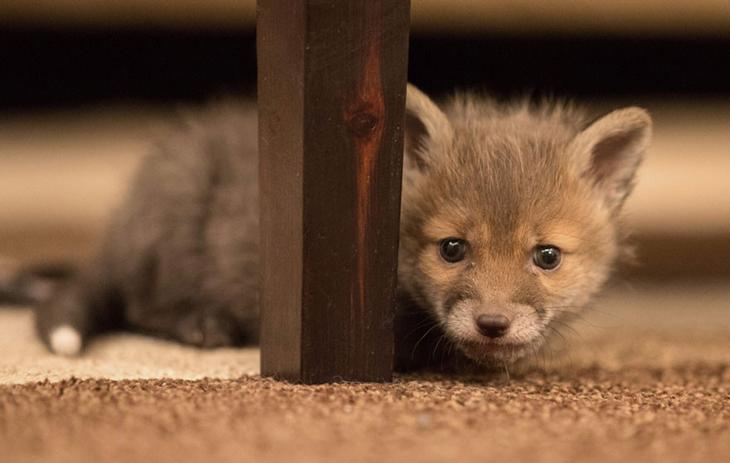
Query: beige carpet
645	377
121	356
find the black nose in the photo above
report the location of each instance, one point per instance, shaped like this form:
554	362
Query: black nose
492	325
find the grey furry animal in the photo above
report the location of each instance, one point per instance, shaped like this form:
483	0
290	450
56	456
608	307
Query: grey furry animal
510	221
180	258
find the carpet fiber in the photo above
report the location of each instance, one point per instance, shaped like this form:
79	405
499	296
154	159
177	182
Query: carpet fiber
646	378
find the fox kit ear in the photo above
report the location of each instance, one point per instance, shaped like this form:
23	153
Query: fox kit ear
611	149
426	129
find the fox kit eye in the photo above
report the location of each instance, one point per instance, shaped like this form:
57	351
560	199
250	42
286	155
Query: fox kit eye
452	249
547	257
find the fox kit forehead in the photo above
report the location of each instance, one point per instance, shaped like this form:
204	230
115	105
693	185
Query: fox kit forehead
502	156
516	165
506	182
520	149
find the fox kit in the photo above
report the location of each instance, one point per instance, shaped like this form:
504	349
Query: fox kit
510	220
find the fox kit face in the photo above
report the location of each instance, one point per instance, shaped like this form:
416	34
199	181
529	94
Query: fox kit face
510	215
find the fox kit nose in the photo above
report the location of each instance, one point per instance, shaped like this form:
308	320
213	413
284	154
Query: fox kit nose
492	325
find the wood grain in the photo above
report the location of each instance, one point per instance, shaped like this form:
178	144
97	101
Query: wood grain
332	80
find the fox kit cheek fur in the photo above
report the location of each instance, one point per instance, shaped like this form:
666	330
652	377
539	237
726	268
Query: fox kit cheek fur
510	221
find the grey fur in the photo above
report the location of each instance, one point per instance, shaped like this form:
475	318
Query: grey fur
180	258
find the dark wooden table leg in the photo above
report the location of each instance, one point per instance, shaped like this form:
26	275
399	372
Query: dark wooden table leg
331	95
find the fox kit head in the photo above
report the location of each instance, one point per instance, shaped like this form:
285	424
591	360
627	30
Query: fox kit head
511	215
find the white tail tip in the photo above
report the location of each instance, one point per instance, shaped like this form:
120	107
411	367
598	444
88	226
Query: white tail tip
65	340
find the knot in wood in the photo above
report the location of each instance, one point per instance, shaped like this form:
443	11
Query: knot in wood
363	123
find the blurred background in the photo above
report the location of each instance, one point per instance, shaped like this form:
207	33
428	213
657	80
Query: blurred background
85	83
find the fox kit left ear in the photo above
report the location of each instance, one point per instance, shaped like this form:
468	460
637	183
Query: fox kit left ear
610	150
426	128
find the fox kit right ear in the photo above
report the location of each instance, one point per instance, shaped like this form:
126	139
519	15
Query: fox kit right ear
427	129
610	150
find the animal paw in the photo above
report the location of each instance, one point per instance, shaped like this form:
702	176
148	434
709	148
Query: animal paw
207	330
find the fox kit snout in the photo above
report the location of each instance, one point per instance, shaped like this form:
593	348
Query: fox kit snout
511	215
510	220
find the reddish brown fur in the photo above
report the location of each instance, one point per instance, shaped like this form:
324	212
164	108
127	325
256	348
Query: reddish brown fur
507	178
